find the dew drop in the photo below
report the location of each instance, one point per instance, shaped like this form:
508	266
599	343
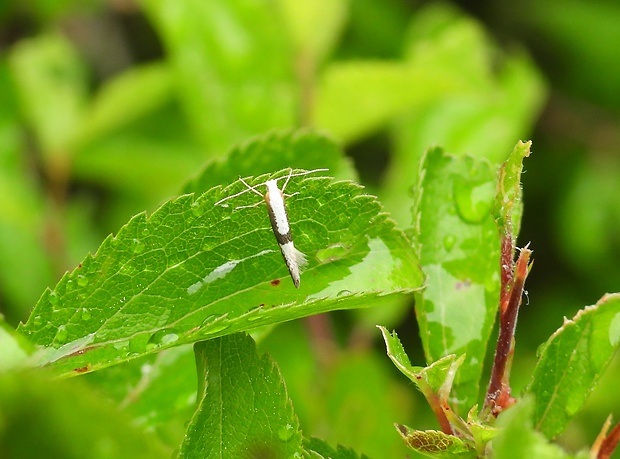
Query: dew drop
85	314
331	253
62	334
343	293
197	209
474	199
70	285
38	320
137	246
53	297
121	345
237	215
82	280
161	338
286	432
208	320
448	242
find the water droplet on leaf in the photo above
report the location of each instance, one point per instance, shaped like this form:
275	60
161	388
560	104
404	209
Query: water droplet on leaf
474	198
53	297
208	320
62	334
197	209
162	337
449	241
82	280
237	215
137	246
286	433
85	314
331	253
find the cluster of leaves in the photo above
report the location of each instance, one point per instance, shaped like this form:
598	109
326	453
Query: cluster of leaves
196	272
105	361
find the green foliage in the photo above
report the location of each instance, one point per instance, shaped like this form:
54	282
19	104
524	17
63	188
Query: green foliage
138	119
229	86
459	250
177	276
237	388
65	419
435	443
571	362
569	365
519	440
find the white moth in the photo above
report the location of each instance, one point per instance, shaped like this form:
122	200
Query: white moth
274	197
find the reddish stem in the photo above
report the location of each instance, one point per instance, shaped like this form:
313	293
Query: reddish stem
506	271
609	444
498	394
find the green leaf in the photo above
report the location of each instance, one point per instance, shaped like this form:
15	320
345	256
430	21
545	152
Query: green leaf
151	156
352	399
355	98
64	419
499	100
429	379
517	438
496	99
586	220
434	443
51	84
232	64
193	270
508	206
323	450
361	403
459	251
25	269
14	349
314	26
588	63
570	364
303	149
125	98
243	408
158	391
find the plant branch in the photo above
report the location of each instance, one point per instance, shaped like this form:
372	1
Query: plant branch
498	394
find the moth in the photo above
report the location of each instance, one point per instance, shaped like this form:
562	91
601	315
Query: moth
274	198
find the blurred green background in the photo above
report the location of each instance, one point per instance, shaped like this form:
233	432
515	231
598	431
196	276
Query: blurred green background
108	107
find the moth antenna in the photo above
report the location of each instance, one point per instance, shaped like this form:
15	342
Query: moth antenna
249	188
